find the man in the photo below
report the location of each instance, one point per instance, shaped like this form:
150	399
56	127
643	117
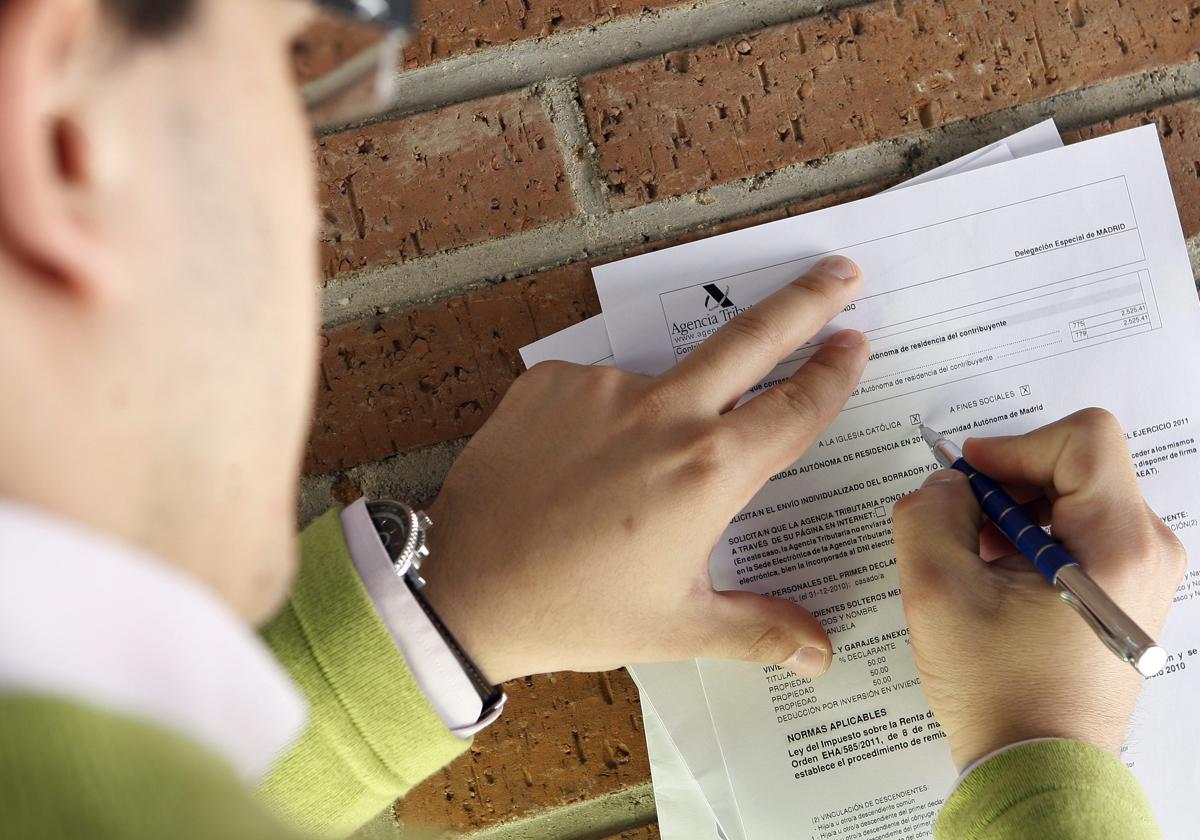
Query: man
157	315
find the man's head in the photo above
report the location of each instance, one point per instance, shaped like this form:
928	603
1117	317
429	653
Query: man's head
157	277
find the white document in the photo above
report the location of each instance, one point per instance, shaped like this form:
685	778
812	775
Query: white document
691	785
680	802
585	343
996	301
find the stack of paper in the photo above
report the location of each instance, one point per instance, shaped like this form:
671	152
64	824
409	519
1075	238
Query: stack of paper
1004	290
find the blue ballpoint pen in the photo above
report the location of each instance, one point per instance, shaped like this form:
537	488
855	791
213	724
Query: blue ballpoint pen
1116	629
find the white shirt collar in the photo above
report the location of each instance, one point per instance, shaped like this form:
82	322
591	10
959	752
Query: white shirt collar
89	619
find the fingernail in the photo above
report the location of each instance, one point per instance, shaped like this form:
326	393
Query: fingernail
808	661
945	477
846	338
839	267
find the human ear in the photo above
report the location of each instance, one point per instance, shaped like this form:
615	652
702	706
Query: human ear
47	223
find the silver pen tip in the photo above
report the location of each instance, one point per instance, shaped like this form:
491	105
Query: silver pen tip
945	450
931	437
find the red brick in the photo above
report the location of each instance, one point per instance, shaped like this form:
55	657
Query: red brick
1179	128
454	27
328	43
425	183
797	92
451	28
433	373
562	738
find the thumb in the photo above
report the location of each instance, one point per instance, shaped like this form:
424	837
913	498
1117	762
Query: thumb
760	628
936	533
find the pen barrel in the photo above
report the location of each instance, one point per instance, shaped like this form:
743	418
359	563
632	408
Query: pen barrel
1012	521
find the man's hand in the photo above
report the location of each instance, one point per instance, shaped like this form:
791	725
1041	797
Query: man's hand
574	531
1002	658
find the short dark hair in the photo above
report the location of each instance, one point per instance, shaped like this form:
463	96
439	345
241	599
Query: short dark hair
150	17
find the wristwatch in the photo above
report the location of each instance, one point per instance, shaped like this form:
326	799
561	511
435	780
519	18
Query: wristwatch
402	532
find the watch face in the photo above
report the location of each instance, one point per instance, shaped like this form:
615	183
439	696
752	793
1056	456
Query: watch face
392	523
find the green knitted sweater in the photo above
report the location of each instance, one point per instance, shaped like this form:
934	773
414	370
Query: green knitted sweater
71	771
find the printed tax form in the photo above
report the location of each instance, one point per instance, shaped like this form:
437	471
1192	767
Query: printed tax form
996	301
692	793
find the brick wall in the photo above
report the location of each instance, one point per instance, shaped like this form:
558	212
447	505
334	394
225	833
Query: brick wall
536	139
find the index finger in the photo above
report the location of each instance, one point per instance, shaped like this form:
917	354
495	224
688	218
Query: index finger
1098	512
1082	455
781	423
742	352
